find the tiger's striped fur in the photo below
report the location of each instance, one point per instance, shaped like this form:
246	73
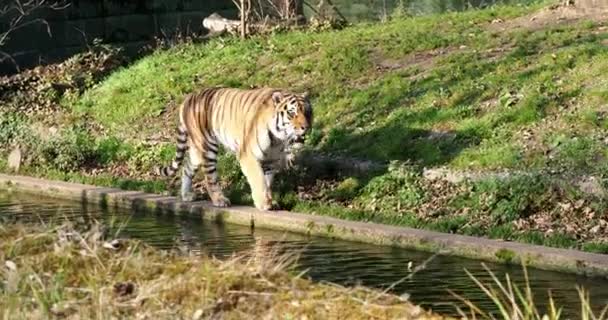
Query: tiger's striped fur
258	125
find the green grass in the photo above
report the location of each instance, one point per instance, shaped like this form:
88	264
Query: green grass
523	99
327	63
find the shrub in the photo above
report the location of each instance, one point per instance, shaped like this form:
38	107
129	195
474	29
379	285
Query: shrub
70	150
400	187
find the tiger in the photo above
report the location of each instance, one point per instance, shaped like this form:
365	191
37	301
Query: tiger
261	126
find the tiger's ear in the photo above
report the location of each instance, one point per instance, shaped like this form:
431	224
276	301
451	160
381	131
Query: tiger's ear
306	94
277	96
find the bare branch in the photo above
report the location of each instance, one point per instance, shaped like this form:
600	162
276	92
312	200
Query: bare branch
18	11
5	56
244	7
256	15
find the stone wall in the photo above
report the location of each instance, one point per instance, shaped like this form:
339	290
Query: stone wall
127	23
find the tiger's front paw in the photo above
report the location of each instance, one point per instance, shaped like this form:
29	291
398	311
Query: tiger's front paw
263	203
265	206
219	200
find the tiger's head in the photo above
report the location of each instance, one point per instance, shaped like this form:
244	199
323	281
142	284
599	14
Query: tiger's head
293	116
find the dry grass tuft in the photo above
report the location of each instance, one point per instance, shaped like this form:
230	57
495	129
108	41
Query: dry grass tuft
517	303
59	272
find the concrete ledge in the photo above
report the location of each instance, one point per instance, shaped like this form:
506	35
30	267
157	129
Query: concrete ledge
565	260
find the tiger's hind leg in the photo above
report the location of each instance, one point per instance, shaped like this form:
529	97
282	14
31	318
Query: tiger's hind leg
191	165
210	168
269	168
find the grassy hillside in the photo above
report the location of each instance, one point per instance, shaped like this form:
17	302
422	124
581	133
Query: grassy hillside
445	86
485	90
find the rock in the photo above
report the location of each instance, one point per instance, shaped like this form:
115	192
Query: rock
591	185
416	311
198	314
10	265
43	131
218	24
112	245
14	159
440	135
60	310
447	175
122	289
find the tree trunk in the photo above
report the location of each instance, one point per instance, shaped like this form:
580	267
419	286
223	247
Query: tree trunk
244	10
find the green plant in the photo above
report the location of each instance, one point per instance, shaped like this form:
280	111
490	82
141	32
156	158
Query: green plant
111	149
400	11
14	128
507	199
345	190
399	188
505	255
514	302
143	157
71	149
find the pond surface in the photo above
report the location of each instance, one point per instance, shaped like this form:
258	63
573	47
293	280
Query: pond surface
336	261
374	10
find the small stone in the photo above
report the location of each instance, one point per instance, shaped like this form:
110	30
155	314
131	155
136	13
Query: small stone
591	185
10	265
60	310
14	159
595	229
416	311
124	288
112	245
198	314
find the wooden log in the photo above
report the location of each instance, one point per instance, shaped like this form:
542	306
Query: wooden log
217	24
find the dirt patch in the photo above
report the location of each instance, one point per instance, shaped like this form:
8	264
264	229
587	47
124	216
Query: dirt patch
419	61
422	60
559	14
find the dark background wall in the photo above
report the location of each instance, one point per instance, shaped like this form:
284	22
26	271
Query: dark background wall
128	23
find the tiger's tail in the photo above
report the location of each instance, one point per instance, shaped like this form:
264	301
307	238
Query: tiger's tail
182	147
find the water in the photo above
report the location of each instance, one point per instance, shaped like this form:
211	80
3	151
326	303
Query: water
336	261
373	10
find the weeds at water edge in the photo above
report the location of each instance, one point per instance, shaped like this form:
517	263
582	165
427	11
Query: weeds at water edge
515	303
